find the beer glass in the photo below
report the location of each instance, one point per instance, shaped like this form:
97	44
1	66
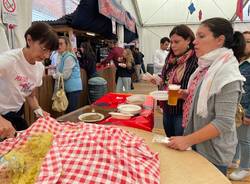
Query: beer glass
173	94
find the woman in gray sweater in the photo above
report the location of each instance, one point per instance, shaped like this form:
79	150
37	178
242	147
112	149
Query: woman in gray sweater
213	93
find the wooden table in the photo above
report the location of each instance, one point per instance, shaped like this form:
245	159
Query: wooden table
181	167
176	167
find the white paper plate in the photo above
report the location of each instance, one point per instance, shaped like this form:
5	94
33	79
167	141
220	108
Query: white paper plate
83	117
136	99
129	109
159	95
118	115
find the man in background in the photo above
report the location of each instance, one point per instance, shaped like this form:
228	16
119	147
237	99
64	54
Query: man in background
114	53
161	55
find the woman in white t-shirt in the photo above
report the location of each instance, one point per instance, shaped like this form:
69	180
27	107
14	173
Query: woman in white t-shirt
21	71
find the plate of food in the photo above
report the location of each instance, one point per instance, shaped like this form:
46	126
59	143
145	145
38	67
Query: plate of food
91	117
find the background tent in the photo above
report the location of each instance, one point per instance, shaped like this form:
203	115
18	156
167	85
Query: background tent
156	18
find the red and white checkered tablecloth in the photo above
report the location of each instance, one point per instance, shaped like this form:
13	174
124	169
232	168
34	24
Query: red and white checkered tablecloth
91	153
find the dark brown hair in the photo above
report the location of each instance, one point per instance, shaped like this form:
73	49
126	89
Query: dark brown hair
185	32
43	33
220	26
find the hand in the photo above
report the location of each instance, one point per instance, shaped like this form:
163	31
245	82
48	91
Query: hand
41	113
120	59
123	65
183	93
179	143
153	81
246	121
6	128
56	75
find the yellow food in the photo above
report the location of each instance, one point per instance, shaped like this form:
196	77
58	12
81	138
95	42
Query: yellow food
22	165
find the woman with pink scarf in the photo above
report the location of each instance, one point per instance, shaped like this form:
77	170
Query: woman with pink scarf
214	90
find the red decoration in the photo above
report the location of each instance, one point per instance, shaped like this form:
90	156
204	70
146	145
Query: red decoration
12	26
239	9
200	15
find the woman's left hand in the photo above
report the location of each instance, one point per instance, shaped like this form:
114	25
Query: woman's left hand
246	121
41	113
179	143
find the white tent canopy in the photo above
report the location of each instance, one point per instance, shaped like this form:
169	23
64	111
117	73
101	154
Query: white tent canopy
172	12
156	18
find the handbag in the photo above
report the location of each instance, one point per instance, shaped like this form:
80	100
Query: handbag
60	101
240	114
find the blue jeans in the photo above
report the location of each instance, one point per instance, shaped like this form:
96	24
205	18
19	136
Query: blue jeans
243	147
73	98
123	81
172	124
222	169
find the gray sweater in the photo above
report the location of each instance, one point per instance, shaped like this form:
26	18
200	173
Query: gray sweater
221	113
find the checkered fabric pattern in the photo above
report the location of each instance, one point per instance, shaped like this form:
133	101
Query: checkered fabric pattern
90	153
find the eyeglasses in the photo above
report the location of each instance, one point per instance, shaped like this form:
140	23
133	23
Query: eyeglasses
44	49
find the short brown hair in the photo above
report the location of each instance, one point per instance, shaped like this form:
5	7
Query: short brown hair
42	32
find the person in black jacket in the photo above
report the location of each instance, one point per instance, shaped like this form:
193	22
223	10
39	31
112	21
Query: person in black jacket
138	59
87	59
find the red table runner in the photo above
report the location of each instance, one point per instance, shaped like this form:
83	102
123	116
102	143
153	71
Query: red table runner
145	120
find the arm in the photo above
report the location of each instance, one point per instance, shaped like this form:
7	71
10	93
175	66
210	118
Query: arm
34	105
109	57
246	99
69	64
225	109
6	128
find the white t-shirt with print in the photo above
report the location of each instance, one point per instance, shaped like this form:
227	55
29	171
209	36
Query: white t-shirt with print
18	78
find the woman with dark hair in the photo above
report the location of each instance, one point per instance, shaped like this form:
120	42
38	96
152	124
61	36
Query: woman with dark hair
213	93
87	59
181	62
68	67
243	131
21	72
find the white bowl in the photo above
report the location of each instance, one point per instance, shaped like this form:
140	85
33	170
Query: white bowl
129	109
159	95
118	115
83	117
136	99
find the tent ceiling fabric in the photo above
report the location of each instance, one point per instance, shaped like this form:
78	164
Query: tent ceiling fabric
172	12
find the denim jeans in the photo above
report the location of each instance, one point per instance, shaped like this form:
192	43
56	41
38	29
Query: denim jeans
222	169
243	147
123	82
172	124
73	98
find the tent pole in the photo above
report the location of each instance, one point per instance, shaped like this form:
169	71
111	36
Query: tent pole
235	15
137	11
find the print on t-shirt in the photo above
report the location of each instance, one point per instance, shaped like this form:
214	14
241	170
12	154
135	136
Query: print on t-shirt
25	84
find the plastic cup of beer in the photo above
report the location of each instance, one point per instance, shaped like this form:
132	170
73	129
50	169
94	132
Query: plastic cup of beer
173	94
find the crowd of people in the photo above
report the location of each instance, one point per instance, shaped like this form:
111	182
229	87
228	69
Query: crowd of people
212	68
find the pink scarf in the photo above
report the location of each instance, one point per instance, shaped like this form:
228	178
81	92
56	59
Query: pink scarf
177	72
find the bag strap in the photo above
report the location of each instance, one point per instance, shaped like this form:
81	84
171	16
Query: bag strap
60	84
